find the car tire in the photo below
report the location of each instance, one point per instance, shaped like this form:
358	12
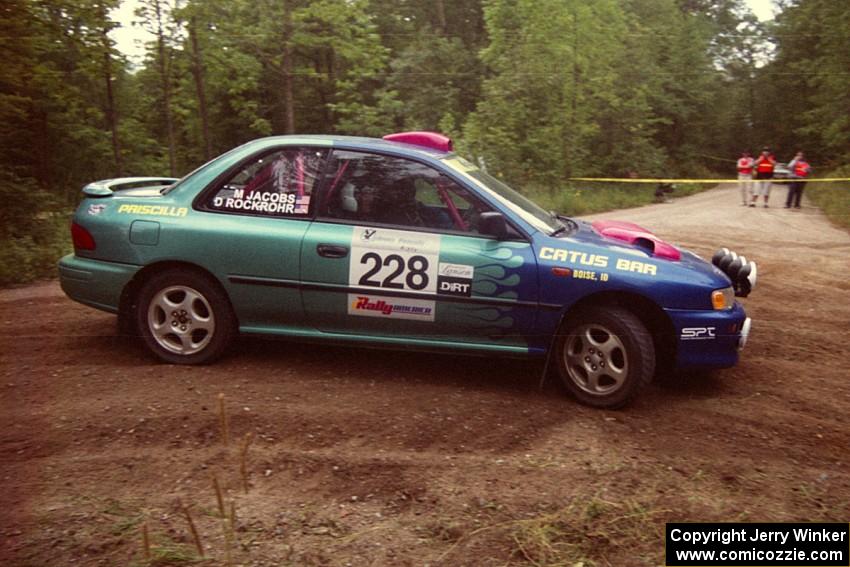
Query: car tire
604	356
184	317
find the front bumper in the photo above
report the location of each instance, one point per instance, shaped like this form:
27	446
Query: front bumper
95	283
709	339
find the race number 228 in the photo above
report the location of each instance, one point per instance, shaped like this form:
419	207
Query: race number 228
394	271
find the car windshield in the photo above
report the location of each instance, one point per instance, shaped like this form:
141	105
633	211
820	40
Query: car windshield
527	209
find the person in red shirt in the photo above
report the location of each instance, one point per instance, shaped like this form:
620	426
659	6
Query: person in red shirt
800	169
764	165
745	177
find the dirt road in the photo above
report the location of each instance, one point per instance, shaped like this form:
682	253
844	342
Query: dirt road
389	458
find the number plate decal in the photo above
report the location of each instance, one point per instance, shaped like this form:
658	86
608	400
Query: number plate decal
394	260
383	259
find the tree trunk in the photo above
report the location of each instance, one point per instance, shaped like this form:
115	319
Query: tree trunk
288	97
111	115
751	99
198	74
165	80
576	77
441	17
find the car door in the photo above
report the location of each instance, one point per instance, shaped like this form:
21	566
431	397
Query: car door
251	237
395	254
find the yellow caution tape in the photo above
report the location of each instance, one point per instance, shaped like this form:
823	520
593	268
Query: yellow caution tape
629	180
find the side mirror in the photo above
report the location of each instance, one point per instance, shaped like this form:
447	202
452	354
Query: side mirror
493	224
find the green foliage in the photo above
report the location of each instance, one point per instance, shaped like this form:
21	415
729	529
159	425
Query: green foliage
582	88
577	199
807	84
369	119
32	238
437	78
832	198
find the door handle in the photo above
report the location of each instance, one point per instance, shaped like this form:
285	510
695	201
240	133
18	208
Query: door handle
331	251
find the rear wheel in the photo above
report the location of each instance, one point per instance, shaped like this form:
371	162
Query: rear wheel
605	356
184	318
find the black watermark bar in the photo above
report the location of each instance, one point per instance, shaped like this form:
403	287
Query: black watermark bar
758	544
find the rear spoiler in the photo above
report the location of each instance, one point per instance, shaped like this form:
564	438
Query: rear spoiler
97	189
106	187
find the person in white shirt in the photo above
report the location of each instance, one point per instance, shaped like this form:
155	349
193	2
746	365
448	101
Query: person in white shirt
745	177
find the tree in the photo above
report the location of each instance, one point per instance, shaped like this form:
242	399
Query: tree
807	80
553	106
103	26
198	74
156	18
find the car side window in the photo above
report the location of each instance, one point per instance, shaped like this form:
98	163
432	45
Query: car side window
277	184
373	188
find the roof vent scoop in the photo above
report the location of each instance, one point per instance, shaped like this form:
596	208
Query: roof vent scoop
638	236
431	140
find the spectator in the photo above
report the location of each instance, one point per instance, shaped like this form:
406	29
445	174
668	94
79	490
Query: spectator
800	169
764	173
745	177
661	191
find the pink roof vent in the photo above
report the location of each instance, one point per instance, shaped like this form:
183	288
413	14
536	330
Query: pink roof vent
638	236
431	140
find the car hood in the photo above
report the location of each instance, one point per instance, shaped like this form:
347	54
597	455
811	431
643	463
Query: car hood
622	236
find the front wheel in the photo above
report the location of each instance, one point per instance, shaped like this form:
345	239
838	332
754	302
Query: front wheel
184	318
605	356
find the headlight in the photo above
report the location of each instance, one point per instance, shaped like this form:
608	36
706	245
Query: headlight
723	298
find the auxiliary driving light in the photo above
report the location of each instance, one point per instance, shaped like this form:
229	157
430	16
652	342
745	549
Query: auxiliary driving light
741	271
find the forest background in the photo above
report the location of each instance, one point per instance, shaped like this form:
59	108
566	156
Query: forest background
538	90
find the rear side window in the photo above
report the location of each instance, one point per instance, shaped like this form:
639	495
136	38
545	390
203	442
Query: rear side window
277	184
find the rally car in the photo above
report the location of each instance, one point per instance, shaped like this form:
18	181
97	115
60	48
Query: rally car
398	242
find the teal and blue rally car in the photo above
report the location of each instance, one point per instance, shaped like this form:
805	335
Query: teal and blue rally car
398	242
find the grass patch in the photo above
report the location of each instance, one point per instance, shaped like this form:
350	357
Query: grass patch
589	532
588	198
832	198
173	554
168	555
126	525
447	530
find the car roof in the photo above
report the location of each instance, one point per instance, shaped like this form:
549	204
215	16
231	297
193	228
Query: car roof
347	142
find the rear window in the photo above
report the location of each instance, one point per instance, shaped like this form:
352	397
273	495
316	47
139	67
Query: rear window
278	184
